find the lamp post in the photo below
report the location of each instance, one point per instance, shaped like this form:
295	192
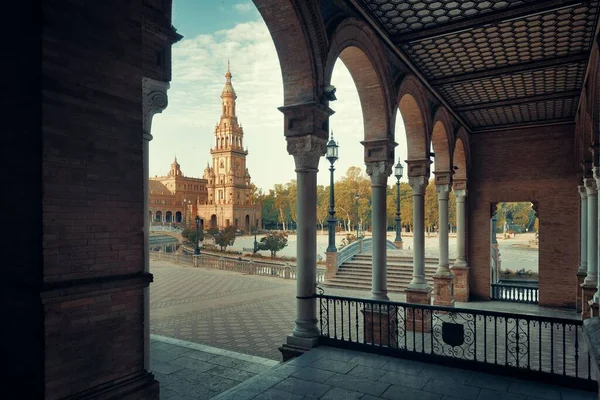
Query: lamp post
332	156
197	250
398	174
357	226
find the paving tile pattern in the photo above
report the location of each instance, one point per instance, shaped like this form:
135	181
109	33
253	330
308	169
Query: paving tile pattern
245	313
336	374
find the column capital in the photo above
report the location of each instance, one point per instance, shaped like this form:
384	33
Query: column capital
379	150
154	100
417	168
459	184
582	192
590	186
443	178
442	191
379	172
307	151
306	119
460	194
596	174
418	184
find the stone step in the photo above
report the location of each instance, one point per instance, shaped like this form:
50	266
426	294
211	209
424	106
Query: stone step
390	270
366	286
350	274
428	260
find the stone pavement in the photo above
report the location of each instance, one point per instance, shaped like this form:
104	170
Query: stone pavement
193	371
244	313
329	373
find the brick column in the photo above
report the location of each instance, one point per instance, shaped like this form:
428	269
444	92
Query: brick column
582	270
589	286
154	100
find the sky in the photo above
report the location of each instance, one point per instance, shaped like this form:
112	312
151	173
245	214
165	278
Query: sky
215	31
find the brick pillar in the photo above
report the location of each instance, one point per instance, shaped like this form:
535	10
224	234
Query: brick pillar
578	292
461	283
331	258
380	325
416	319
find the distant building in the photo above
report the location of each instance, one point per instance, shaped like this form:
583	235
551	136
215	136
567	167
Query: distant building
223	196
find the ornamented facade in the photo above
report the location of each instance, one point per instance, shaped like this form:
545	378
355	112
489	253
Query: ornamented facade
223	196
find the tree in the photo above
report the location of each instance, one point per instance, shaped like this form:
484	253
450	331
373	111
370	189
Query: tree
225	238
322	205
273	242
189	234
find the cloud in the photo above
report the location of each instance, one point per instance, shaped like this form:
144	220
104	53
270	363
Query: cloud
186	127
243	7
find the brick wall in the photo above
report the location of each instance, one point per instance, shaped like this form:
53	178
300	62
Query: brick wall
534	165
21	332
92	195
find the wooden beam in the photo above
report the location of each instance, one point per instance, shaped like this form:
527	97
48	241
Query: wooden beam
538	7
510	69
520	100
521	125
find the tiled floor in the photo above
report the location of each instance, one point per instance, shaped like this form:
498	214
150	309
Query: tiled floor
328	373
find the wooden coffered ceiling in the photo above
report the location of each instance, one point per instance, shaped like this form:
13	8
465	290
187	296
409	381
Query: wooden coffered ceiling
496	64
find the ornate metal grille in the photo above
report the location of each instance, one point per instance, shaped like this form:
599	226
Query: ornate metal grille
536	346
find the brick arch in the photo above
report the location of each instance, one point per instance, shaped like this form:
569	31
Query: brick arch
441	137
461	155
357	46
413	109
299	36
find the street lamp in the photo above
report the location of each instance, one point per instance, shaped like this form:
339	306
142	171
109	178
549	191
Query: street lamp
398	174
357	226
332	156
197	251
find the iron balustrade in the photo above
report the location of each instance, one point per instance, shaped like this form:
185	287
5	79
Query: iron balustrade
544	348
515	293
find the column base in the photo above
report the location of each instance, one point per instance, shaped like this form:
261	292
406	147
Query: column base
399	245
296	346
381	326
587	295
580	278
443	290
331	264
418	319
461	282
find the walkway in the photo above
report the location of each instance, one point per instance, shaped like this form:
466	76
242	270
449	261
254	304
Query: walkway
329	373
193	371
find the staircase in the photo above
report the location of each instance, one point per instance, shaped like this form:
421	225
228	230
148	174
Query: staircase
355	274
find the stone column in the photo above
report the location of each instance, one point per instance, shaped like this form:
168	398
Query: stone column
418	290
460	269
154	100
582	270
590	282
307	151
379	172
443	278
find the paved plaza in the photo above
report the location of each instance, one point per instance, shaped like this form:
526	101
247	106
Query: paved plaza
244	313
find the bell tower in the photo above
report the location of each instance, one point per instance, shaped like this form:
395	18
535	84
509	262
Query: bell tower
231	182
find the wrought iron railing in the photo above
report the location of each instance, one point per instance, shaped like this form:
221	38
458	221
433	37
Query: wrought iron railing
514	344
516	293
